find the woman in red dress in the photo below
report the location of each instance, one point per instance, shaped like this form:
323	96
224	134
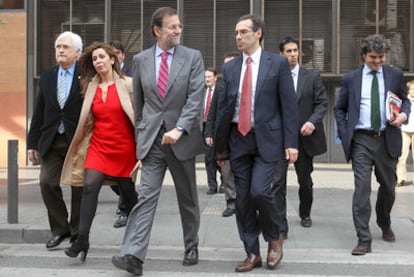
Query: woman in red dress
103	148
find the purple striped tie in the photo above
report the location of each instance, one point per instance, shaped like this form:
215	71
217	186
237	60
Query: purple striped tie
163	75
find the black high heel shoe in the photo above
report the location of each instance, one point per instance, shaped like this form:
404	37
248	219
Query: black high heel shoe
79	248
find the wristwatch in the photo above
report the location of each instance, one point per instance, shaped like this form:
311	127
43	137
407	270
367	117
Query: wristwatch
181	129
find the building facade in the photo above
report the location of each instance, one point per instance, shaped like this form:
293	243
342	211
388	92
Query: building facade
329	32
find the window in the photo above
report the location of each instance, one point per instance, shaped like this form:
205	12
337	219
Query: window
11	4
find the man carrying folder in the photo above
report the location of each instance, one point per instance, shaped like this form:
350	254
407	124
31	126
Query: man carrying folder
369	139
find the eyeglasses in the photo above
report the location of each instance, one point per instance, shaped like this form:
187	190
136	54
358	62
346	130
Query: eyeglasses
63	46
175	27
242	32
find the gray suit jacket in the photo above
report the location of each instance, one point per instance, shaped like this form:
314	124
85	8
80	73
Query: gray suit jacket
181	106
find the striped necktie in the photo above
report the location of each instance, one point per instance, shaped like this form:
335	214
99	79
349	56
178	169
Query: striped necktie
61	97
163	75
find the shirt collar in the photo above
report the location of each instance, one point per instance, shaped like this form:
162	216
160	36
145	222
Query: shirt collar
159	51
295	70
69	70
255	56
367	70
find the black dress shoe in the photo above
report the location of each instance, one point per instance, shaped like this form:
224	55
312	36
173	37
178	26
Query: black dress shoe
388	235
56	240
211	191
121	221
221	189
228	212
191	257
128	263
306	222
361	249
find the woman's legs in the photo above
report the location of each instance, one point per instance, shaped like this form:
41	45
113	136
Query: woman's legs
93	183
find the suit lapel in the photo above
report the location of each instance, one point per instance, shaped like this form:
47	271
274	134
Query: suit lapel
357	88
236	71
75	84
264	68
176	65
53	87
300	83
386	73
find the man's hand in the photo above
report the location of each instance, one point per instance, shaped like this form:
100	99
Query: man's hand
291	155
221	163
399	119
33	156
171	137
307	129
209	141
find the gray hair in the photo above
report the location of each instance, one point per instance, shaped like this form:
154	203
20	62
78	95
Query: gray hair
376	42
76	40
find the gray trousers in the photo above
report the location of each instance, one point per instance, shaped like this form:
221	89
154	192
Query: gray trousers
368	152
140	220
227	178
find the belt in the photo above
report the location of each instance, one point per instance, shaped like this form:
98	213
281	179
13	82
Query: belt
371	133
236	125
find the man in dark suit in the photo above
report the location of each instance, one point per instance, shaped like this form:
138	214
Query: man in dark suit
227	176
119	50
369	138
210	79
312	103
52	128
256	127
168	135
120	53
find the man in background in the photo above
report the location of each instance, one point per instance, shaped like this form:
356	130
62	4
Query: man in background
122	211
120	53
227	176
312	101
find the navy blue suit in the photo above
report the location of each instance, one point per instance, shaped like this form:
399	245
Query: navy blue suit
367	149
253	157
348	105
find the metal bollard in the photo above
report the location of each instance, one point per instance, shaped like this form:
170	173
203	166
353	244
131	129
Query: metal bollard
12	182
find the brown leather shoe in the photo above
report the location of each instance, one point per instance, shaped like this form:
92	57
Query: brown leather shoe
249	263
275	252
361	249
388	235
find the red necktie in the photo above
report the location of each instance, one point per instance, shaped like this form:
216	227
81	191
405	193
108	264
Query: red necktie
207	105
163	75
246	100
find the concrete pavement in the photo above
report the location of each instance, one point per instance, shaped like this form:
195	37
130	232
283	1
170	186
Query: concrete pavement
329	241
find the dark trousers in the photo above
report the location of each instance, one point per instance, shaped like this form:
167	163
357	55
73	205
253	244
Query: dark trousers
121	202
304	169
255	203
211	167
50	170
370	152
279	189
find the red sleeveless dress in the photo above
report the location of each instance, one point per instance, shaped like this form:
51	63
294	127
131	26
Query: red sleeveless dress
112	145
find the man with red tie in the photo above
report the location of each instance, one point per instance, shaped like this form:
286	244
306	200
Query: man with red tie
210	79
257	126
